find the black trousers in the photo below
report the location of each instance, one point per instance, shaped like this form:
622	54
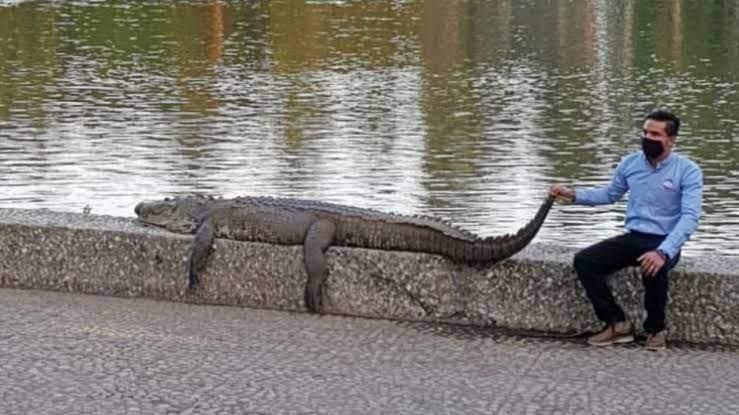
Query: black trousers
595	263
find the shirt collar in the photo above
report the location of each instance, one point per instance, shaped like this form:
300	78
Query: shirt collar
662	163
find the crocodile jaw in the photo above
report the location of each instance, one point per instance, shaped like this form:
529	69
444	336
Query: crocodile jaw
168	214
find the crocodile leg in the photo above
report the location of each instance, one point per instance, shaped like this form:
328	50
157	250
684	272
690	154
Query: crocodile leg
201	246
318	238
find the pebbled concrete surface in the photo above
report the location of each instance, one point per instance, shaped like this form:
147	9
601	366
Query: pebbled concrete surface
535	290
71	353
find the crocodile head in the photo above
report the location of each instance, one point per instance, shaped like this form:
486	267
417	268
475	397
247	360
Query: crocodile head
179	214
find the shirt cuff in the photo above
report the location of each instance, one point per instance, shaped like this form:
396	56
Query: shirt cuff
578	197
664	254
669	252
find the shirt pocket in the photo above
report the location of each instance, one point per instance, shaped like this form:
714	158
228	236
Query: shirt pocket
667	197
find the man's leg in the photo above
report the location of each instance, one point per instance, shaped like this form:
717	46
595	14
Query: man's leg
655	297
593	266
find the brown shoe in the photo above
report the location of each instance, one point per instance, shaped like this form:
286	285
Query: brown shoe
621	332
657	341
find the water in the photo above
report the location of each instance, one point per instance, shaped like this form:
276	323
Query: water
467	110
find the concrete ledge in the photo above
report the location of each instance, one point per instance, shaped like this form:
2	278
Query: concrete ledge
535	290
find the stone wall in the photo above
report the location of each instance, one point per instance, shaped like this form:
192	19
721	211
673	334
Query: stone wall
535	290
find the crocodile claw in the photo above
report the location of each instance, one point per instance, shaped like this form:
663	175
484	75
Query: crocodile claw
193	281
313	298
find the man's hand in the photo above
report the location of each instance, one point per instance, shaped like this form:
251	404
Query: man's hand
651	263
562	193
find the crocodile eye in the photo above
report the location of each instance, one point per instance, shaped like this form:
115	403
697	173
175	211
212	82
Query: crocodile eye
166	199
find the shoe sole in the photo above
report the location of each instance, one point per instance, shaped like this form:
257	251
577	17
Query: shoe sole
657	348
617	340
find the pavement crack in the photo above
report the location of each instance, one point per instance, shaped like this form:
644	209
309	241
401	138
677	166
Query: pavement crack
428	309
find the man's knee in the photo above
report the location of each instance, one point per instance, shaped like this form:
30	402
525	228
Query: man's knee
659	279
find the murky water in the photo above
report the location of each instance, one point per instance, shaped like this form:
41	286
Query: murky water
462	109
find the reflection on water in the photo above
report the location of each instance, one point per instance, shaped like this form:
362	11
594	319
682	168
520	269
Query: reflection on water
462	109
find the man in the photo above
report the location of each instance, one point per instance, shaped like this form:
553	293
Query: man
664	207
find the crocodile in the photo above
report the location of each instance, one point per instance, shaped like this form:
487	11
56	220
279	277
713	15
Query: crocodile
317	225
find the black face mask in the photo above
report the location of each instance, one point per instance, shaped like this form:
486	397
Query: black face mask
651	148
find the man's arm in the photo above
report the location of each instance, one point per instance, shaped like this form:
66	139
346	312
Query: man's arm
692	197
596	196
604	195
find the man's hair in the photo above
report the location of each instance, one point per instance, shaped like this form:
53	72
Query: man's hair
672	123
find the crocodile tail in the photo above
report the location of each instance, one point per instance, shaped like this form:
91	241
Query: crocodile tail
494	249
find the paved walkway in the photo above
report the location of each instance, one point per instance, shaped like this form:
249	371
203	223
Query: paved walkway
75	354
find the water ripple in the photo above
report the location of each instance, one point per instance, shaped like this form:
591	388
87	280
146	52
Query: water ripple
467	111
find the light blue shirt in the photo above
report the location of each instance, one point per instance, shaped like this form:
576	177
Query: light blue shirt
663	200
